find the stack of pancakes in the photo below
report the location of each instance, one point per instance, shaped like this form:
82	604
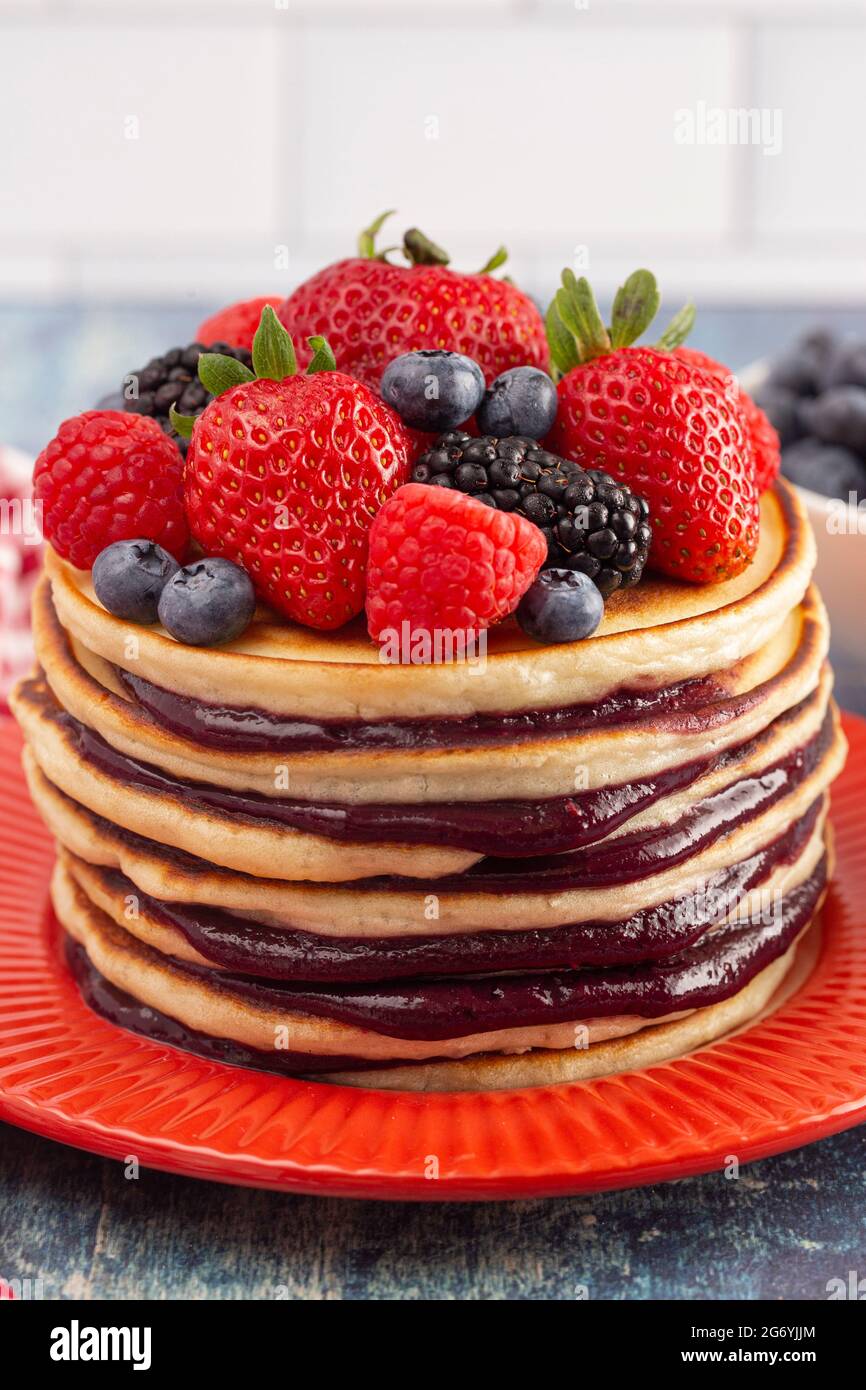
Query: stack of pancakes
544	864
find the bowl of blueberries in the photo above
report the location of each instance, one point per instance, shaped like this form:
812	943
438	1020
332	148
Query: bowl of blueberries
815	395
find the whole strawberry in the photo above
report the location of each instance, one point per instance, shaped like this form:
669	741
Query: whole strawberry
107	476
764	439
371	310
443	567
671	430
285	473
237	323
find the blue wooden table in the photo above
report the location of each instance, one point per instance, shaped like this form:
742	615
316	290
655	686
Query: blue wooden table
783	1229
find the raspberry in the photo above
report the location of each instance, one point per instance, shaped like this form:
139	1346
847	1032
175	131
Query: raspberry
443	562
237	323
107	476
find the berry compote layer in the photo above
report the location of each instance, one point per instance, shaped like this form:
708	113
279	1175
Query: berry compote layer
284	953
591	861
442	1009
253	730
512	828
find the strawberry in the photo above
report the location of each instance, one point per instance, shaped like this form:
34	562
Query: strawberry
765	441
674	432
371	310
284	474
446	566
237	323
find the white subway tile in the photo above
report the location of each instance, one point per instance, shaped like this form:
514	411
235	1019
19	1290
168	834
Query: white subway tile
815	75
121	133
554	134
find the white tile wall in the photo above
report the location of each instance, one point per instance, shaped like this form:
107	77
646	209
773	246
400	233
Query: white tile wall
123	133
547	123
815	189
522	130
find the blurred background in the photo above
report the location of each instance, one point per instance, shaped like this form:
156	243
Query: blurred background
164	158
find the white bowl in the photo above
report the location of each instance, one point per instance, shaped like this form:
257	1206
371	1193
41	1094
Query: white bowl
840	573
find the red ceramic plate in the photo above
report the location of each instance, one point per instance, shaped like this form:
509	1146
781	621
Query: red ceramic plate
796	1076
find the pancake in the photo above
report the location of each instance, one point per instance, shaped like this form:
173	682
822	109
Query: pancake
400	910
647	1048
254	836
207	1006
538	864
660	632
222	940
780	674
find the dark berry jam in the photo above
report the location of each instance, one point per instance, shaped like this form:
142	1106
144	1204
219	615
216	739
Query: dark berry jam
285	953
121	1008
514	828
435	1010
701	703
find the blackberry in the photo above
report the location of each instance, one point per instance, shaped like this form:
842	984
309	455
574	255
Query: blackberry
592	523
172	380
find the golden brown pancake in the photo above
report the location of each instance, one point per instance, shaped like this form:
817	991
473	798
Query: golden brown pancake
780	674
212	1008
266	849
660	632
717	720
337	910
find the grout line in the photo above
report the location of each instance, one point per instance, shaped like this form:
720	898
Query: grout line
744	162
601	14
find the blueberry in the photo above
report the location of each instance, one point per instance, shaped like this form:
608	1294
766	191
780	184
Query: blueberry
821	347
824	468
780	407
433	390
521	401
129	576
838	417
849	365
561	606
804	368
207	602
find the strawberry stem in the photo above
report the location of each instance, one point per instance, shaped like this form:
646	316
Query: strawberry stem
367	238
323	359
273	360
577	309
496	260
218	373
634	308
273	349
564	350
678	329
183	424
420	250
417	248
576	333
